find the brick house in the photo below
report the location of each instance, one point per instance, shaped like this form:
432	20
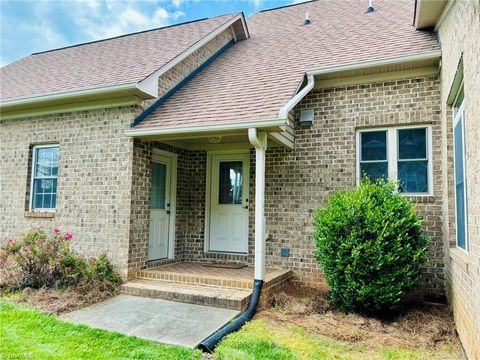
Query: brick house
216	140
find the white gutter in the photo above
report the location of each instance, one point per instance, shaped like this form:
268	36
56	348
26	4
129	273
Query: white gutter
427	55
73	94
259	141
205	128
147	88
153	77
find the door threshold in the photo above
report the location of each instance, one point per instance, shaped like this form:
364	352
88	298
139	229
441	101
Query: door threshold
226	253
149	261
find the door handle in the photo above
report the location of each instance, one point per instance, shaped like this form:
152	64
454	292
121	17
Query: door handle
245	207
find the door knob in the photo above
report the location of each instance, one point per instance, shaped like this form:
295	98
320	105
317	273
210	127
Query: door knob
245	207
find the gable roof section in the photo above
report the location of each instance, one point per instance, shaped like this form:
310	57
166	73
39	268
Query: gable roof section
252	80
103	64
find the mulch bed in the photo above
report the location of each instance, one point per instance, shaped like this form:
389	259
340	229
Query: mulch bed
419	326
57	302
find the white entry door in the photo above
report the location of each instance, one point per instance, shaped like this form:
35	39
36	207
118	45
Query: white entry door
160	208
229	180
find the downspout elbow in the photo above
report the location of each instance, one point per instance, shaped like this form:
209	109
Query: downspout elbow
283	113
258	140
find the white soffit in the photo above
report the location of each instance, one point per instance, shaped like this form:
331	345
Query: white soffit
427	12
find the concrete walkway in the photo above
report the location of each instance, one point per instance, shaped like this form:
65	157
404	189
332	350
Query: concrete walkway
162	321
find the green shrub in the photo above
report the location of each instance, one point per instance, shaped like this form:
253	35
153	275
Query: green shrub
100	274
45	259
371	247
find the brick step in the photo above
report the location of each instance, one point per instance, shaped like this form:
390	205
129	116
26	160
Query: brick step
235	299
195	279
272	277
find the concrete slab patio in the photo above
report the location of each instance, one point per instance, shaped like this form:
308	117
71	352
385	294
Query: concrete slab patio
162	321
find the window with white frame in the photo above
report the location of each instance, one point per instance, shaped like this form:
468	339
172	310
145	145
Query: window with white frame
43	194
401	153
460	168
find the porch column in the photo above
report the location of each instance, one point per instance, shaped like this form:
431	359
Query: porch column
259	141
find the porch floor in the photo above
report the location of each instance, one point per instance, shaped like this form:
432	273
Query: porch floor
198	273
198	284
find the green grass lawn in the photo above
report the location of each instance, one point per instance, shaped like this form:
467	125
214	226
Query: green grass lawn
32	335
259	341
26	333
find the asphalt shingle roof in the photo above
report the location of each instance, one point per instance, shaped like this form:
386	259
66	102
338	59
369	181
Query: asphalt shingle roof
116	61
253	79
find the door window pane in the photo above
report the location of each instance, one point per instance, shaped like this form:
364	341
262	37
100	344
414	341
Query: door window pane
374	145
159	172
412	144
230	182
413	176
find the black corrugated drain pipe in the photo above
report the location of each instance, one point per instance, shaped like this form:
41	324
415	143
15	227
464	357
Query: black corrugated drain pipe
209	344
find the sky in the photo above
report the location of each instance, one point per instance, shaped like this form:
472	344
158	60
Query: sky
28	26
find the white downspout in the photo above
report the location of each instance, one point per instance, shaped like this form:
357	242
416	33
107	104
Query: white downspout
283	113
259	141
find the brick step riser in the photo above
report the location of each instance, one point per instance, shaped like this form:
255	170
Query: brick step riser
228	284
185	298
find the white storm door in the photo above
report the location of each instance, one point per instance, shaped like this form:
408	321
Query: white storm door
160	209
229	203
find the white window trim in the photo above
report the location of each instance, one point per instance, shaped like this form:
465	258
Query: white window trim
32	178
392	153
459	112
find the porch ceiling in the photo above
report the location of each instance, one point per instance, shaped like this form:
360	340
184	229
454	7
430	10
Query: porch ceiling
235	139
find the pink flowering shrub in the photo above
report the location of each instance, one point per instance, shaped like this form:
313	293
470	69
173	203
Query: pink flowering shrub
45	259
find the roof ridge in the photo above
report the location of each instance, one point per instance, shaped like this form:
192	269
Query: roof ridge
286	6
130	34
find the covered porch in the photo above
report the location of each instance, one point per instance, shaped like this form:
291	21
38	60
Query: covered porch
199	197
198	201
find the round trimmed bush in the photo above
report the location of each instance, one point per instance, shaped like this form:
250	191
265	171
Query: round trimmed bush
371	247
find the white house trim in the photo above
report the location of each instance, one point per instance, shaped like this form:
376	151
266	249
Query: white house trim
459	116
151	81
426	55
310	74
134	88
392	153
207	128
32	177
